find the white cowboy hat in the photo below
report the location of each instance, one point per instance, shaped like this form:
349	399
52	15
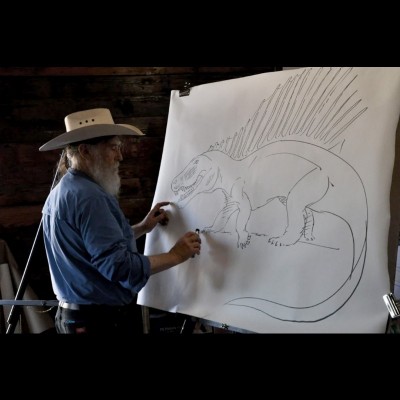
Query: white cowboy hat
88	124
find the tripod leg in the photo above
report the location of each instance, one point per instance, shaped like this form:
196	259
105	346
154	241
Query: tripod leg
15	312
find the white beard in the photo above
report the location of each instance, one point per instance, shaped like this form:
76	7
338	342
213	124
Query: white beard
108	178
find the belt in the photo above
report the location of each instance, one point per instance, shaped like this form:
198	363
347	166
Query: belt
93	307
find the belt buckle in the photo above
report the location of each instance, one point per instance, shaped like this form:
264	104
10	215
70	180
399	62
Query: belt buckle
69	306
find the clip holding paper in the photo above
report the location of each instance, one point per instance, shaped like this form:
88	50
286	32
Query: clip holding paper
186	90
392	305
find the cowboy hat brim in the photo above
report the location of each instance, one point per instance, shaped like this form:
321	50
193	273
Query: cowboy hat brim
90	132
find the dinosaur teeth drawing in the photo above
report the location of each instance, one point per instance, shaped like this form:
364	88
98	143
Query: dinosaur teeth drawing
183	192
301	125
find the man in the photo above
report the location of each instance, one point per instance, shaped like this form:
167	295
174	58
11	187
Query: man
96	270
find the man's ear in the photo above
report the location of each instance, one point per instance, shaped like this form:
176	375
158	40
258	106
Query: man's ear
83	150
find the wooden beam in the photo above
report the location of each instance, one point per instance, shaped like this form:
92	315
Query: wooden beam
114	71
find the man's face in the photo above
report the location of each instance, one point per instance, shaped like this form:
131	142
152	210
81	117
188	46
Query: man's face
106	157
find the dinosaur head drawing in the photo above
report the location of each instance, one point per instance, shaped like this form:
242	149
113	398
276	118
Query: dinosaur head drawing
199	176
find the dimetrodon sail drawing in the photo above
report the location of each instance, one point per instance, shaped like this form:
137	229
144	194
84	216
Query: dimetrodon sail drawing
291	148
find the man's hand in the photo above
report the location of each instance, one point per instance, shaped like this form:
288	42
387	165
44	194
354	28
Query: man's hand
186	246
157	215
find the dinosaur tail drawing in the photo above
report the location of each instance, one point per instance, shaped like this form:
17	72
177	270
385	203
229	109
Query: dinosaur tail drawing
314	312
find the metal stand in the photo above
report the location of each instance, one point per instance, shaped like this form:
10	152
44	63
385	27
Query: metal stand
392	305
188	325
225	327
18	302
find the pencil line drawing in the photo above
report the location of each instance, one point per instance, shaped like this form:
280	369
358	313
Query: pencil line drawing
288	151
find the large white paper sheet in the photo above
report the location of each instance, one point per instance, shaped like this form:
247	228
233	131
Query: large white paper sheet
287	175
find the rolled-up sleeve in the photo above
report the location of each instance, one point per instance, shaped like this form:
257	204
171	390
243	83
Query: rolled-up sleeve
108	237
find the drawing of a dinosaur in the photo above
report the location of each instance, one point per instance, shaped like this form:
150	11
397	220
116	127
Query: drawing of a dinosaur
307	186
258	166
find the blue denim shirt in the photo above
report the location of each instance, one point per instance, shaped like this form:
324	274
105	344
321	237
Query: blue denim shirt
90	246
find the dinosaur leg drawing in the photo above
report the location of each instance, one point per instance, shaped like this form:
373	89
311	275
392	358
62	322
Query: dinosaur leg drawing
238	192
222	217
308	224
311	188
